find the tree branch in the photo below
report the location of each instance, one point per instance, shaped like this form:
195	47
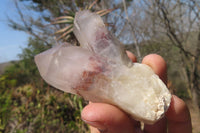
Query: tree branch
28	28
170	29
136	43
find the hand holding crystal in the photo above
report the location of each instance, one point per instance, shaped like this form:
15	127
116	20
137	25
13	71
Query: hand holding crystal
105	118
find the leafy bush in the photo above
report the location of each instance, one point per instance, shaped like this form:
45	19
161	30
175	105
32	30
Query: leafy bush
5	108
33	111
28	104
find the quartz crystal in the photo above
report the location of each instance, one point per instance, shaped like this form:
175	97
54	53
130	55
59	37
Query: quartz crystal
100	71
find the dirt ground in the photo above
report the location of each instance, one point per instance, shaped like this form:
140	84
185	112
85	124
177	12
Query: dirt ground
195	115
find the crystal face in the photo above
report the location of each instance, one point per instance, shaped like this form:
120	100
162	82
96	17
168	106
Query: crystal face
100	71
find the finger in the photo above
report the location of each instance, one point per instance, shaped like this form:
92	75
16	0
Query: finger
178	116
131	56
158	64
108	118
158	127
94	130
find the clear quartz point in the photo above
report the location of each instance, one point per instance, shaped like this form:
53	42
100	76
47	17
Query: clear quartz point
100	71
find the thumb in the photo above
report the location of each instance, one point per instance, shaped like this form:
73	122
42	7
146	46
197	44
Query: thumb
108	118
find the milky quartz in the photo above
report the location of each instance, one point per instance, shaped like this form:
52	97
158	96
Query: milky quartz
100	71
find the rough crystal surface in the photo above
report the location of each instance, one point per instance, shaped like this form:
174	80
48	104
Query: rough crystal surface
100	71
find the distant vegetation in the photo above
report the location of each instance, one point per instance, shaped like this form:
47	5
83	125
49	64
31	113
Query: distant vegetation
3	66
28	104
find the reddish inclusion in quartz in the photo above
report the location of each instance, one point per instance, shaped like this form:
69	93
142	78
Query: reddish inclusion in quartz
88	76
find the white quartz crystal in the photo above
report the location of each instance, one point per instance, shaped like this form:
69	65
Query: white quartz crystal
99	71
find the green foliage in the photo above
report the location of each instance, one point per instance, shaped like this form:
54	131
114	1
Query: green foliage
33	111
7	81
5	108
183	94
28	104
24	71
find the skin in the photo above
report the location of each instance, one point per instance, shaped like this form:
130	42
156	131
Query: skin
105	118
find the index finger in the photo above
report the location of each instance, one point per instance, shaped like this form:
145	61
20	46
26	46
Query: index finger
158	64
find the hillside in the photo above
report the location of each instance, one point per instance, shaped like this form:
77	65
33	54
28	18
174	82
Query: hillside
3	66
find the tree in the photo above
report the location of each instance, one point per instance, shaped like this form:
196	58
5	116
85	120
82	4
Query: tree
179	21
47	17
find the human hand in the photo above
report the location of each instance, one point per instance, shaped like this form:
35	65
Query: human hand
106	118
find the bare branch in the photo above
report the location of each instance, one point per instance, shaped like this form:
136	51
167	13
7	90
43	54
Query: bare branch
171	30
136	43
28	28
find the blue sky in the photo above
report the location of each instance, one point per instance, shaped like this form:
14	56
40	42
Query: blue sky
11	41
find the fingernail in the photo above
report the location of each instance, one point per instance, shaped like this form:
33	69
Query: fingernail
103	131
97	125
